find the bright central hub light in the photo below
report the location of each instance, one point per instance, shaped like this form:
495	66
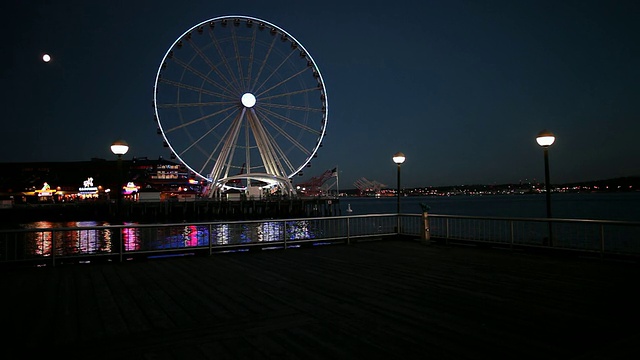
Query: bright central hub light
248	100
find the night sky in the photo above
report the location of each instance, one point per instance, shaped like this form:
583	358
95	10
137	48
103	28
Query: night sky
462	88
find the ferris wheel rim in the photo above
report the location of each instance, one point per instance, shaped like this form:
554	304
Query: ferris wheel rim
321	81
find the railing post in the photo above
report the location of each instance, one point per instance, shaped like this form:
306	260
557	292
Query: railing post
426	231
348	232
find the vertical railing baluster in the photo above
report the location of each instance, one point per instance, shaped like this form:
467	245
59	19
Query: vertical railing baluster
483	231
53	248
602	240
284	235
511	235
446	239
210	239
120	242
15	248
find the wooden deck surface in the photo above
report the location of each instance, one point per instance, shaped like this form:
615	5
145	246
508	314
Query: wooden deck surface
369	300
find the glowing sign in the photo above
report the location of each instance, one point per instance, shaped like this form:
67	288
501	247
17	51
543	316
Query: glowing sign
130	188
87	187
46	190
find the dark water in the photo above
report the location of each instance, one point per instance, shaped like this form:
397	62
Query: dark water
596	206
615	206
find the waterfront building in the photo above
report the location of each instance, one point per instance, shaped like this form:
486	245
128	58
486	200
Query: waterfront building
94	180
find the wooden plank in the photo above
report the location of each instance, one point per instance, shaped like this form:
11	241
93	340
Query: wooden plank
375	299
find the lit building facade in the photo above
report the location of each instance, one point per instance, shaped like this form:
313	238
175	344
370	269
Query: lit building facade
94	180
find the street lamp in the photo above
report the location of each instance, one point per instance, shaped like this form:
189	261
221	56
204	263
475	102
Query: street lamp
398	158
545	139
119	148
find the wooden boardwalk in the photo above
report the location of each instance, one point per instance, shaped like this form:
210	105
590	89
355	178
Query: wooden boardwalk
369	300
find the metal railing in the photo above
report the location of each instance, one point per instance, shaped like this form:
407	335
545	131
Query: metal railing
605	237
53	246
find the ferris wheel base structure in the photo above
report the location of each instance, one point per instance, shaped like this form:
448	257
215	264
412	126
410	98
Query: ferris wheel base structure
269	181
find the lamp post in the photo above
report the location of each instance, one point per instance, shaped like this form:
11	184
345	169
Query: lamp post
545	139
119	148
398	158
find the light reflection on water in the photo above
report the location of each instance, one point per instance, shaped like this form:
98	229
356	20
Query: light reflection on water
615	206
93	237
67	242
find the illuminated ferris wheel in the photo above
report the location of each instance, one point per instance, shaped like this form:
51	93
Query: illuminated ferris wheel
239	101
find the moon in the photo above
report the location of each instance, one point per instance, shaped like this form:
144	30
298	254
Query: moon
46	58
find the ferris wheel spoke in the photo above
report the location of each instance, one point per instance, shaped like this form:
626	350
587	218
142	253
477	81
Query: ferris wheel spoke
224	58
181	85
284	81
199	74
232	145
251	56
275	71
194	121
238	57
290	93
290	121
264	63
197	104
216	150
267	146
281	154
285	134
209	63
196	142
206	163
291	107
225	155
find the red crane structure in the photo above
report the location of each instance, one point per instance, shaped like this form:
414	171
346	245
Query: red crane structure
319	185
